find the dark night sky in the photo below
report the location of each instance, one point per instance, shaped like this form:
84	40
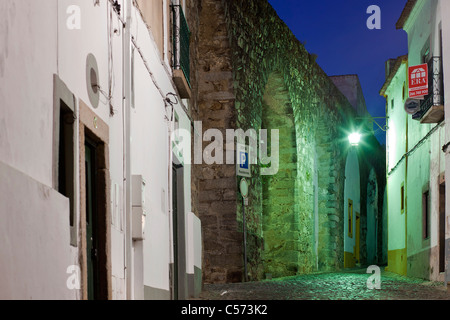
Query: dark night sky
336	31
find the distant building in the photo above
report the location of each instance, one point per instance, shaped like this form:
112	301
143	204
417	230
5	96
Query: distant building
417	220
350	87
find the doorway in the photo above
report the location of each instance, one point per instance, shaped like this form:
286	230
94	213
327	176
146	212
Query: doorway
91	221
442	227
95	208
352	210
357	237
179	279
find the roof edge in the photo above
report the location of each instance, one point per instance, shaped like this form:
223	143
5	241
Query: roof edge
399	61
405	14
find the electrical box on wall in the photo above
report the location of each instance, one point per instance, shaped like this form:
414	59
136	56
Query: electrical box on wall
138	212
138	190
138	223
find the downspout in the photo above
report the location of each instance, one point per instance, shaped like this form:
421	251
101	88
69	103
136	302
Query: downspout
406	199
127	148
387	186
406	185
170	191
170	128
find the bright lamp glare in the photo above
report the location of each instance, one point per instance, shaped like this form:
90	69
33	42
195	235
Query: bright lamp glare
354	138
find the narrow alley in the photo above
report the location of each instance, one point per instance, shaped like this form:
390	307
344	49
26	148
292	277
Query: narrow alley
347	285
201	150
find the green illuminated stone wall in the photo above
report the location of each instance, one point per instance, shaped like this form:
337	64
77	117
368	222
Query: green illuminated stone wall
254	73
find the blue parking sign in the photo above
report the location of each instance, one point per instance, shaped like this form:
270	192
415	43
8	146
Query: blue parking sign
243	160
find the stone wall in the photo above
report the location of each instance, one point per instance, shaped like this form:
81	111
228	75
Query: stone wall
216	185
254	74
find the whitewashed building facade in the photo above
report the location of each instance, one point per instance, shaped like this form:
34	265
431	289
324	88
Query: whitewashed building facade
95	202
418	201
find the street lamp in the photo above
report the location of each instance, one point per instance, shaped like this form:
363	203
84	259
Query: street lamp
354	138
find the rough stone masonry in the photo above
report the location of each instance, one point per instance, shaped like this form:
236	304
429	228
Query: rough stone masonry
251	72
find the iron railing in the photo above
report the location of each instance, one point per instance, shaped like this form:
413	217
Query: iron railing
435	95
181	42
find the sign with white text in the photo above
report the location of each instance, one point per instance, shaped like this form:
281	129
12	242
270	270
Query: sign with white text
418	81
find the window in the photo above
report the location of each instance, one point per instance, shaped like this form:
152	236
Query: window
402	198
404	94
426	214
425	54
66	157
350	218
181	51
64	150
181	41
392	104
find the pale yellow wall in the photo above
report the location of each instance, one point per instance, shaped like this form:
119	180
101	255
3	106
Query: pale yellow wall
154	17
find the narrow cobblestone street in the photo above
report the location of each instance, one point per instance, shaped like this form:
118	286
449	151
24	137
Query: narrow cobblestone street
347	285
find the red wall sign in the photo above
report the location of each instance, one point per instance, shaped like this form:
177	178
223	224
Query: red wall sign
418	81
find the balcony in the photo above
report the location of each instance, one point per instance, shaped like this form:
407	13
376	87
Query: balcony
181	51
432	106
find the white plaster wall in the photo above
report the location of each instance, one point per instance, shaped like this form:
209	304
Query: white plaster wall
194	247
150	153
396	220
184	157
26	135
150	157
396	140
75	45
35	239
36	226
385	229
396	137
418	179
26	85
73	48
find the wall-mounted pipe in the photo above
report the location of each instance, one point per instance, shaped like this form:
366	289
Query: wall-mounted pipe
127	148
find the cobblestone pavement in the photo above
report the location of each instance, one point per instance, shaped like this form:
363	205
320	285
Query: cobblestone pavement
348	285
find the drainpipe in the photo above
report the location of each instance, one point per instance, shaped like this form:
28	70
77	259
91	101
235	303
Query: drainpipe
406	190
170	129
127	148
406	200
